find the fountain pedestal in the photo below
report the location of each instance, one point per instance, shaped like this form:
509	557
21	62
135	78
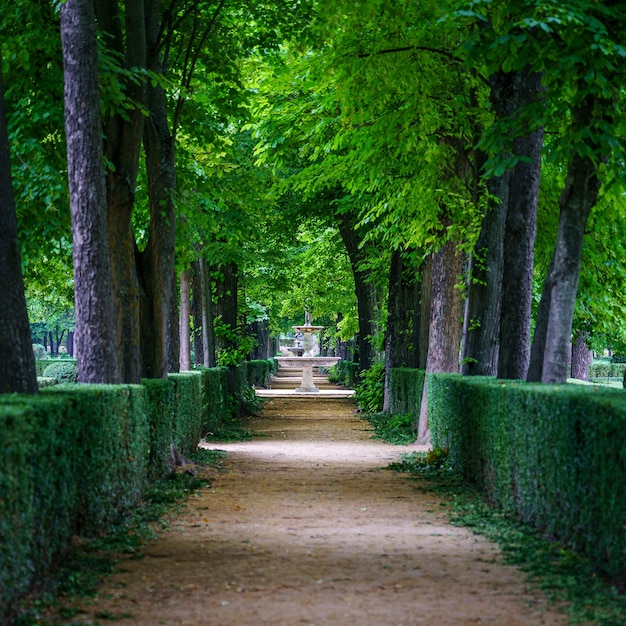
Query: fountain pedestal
307	364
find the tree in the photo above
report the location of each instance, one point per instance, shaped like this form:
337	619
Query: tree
95	330
17	366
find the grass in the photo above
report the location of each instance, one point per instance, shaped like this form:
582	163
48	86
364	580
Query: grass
395	429
567	578
83	567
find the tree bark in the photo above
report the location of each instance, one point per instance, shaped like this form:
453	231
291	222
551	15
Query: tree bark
580	357
519	246
551	343
225	306
123	137
445	323
260	330
368	304
484	292
402	347
185	326
17	365
208	327
196	311
159	323
93	287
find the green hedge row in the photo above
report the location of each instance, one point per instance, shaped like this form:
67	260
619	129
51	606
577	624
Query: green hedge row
405	391
345	373
607	370
553	455
77	457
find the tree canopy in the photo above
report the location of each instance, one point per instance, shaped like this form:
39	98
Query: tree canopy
299	150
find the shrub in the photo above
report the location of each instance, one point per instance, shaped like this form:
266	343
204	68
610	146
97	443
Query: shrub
40	352
65	372
370	391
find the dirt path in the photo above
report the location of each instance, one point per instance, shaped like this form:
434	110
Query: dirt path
306	528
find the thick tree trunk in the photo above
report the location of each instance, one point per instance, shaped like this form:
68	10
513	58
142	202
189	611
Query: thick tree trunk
260	330
196	312
185	326
445	323
159	324
551	343
95	327
368	304
482	310
580	357
123	137
519	246
17	365
484	292
402	347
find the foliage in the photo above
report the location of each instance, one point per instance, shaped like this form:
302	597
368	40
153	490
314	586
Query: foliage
369	391
62	371
78	460
396	429
83	567
562	574
40	352
345	373
551	455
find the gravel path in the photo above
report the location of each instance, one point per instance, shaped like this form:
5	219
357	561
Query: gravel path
305	527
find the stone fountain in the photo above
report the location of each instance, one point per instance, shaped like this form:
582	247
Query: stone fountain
304	336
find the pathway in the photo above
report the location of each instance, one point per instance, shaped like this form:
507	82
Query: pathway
306	528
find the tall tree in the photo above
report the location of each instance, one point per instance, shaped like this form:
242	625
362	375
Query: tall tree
17	366
94	341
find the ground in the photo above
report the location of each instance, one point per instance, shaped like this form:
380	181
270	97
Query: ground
305	527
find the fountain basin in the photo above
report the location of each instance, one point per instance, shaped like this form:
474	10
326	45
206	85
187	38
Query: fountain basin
307	363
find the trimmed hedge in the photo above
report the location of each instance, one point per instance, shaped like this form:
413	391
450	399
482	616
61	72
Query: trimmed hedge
405	391
41	364
38	491
607	370
110	451
76	457
554	455
346	373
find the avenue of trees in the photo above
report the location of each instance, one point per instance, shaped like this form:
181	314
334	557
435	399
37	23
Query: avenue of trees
427	179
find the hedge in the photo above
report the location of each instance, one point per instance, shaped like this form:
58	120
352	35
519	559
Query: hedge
346	373
607	370
553	455
76	457
405	391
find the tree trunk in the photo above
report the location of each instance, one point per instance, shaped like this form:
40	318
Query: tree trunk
580	357
519	245
484	292
208	325
482	311
70	343
368	304
159	323
551	343
445	323
402	347
261	331
196	308
93	287
185	327
17	365
123	137
225	307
